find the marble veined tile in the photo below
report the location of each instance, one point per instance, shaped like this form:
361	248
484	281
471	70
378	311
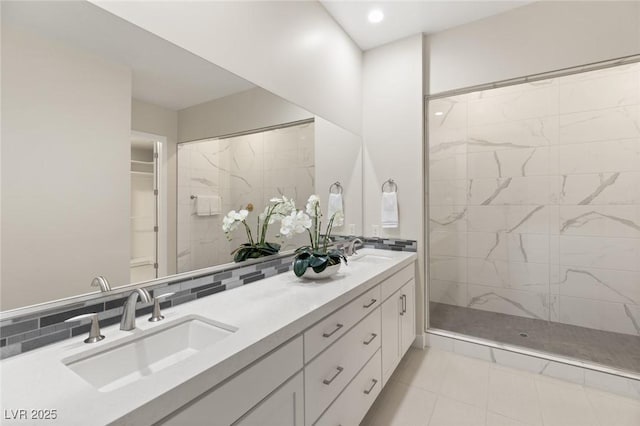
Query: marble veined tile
600	91
449	292
599	188
448	113
487	218
448	168
448	218
512	162
600	252
533	219
448	192
599	284
534	103
595	157
448	243
600	221
488	245
601	315
601	125
532	277
509	301
447	268
520	134
532	190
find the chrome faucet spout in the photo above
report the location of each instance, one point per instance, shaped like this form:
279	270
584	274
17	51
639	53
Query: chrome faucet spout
102	283
350	250
128	321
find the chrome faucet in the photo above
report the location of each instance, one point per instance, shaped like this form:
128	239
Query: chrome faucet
350	249
128	321
102	283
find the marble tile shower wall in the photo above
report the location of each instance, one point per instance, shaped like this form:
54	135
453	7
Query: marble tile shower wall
246	169
535	199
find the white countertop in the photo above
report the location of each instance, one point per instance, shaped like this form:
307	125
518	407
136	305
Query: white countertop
267	313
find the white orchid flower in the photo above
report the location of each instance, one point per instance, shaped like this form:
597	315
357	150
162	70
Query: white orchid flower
312	204
295	223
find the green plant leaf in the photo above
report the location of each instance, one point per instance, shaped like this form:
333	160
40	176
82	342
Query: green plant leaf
300	265
321	267
316	261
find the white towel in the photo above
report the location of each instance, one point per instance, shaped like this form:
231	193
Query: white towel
208	205
389	209
335	205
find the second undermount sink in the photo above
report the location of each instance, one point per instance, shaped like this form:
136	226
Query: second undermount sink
369	258
147	353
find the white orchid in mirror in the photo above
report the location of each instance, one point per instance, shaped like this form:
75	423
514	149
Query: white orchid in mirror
277	209
323	260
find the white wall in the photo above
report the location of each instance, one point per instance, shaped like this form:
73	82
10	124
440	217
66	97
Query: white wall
249	110
338	157
293	49
154	119
393	139
539	37
65	128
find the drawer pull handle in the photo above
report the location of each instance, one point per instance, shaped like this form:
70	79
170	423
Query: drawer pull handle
338	327
373	336
373	385
370	304
328	382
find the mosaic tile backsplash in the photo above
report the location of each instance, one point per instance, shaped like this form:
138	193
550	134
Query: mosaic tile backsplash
35	330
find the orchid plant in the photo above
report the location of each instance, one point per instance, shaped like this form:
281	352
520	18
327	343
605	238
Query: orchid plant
318	255
277	209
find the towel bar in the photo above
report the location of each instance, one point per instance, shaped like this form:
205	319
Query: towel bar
392	185
336	185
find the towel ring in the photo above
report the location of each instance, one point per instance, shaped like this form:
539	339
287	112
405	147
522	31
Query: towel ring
337	186
393	186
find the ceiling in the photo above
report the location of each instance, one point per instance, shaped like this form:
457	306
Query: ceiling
405	18
162	73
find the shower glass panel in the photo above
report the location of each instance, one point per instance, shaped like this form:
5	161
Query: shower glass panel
534	215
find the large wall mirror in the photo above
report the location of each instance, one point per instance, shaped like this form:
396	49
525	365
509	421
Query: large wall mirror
115	142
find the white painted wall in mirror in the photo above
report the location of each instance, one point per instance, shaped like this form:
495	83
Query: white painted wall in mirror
293	49
65	184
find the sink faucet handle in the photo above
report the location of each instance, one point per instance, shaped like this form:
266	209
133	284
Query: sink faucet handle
94	332
156	315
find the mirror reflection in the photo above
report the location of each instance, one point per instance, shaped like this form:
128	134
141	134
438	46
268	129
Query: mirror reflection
107	133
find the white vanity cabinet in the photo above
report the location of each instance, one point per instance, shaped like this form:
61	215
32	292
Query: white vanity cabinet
252	391
398	322
330	374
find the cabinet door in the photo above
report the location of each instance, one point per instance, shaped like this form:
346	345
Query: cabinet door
390	334
284	407
408	316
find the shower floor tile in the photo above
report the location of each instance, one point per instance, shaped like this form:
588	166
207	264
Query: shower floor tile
616	350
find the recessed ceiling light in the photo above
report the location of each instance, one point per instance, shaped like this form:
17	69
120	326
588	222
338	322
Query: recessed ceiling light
439	113
376	16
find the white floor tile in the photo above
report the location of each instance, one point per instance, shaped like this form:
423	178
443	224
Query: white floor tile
449	412
466	380
614	410
423	368
494	419
564	404
514	395
401	405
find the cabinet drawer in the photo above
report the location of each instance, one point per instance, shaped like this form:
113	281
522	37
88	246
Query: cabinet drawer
338	323
229	401
397	280
327	375
352	405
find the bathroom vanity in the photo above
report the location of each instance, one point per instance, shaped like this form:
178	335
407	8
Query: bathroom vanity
281	351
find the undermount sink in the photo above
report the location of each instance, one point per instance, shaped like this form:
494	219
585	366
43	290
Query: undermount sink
147	353
369	258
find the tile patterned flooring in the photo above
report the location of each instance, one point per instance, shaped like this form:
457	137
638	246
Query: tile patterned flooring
603	347
431	387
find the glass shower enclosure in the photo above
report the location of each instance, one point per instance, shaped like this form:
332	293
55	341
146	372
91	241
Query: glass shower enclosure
534	214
